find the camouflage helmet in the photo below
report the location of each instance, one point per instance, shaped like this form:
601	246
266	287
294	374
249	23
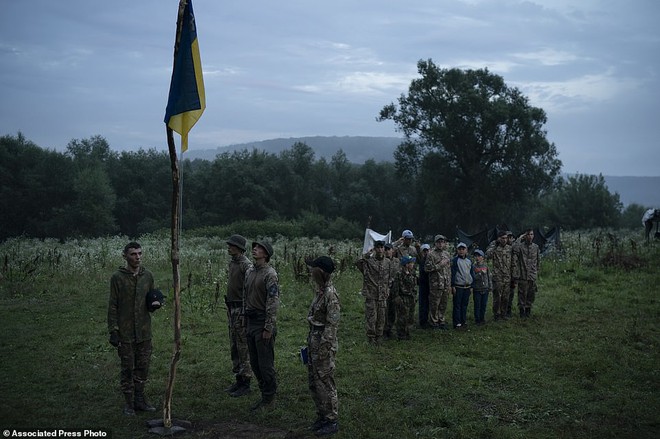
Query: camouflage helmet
237	241
154	299
266	246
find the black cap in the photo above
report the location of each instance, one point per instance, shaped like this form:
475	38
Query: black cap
325	263
379	243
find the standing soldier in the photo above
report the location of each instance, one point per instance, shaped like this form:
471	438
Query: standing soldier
323	319
240	358
262	298
132	298
510	238
499	256
390	313
526	264
375	269
437	265
423	287
404	296
406	246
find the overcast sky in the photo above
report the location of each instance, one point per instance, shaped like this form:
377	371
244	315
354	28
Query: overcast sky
289	68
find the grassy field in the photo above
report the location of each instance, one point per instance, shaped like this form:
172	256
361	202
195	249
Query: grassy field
586	365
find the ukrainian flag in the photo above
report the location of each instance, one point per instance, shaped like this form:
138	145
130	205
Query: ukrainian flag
187	101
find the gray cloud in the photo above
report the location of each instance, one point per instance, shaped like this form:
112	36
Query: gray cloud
298	68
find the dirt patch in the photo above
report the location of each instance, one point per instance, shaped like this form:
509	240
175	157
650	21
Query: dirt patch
237	430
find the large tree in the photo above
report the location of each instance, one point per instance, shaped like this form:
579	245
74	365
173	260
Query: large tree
582	202
475	146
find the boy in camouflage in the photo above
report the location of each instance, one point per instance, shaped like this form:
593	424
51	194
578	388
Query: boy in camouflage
526	263
499	257
375	269
404	296
129	326
262	300
482	285
240	357
437	265
323	319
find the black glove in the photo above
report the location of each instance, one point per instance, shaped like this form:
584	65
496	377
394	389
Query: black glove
114	338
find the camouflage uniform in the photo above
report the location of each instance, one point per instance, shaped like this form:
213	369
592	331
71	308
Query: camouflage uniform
499	257
375	289
240	357
128	314
262	297
405	250
323	318
437	265
526	262
404	296
390	314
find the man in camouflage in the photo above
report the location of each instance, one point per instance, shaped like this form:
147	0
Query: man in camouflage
438	267
129	326
262	298
406	246
323	319
375	269
240	358
499	256
526	263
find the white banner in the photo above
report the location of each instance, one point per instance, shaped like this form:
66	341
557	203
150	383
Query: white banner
370	237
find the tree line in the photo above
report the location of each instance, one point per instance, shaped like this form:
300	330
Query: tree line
90	190
474	155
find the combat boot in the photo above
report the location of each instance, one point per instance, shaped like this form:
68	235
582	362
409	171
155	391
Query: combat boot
141	402
129	409
328	428
242	389
233	387
266	402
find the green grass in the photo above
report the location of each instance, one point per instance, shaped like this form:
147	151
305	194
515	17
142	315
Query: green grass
585	365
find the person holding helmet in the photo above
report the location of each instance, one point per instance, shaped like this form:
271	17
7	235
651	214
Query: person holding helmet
262	298
323	319
240	357
131	301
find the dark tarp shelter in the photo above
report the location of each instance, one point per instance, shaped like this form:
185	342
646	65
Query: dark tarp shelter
546	240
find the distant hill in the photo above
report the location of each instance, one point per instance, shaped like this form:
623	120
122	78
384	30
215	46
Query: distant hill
358	149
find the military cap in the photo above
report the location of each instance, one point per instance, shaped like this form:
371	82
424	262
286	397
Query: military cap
407	259
440	238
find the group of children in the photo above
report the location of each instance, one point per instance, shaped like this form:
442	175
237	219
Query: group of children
469	276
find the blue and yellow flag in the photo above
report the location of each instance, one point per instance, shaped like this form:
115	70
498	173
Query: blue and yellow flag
187	101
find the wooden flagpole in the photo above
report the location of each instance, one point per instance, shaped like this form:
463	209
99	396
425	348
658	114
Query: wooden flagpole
176	280
176	230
